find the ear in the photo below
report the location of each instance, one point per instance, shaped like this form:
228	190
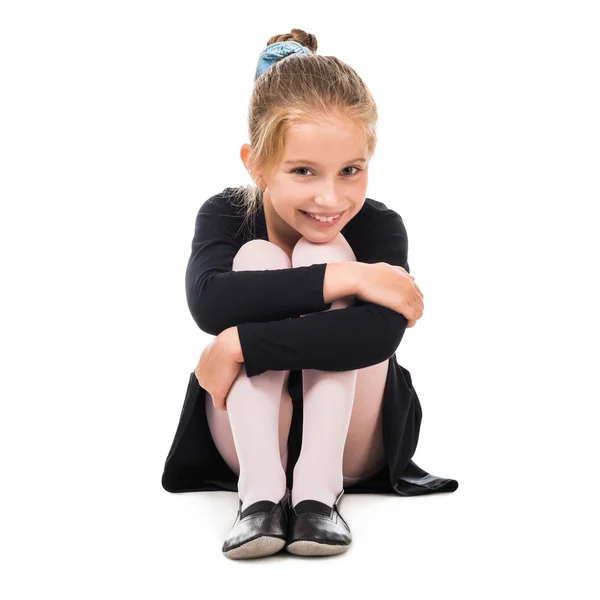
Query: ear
246	156
245	151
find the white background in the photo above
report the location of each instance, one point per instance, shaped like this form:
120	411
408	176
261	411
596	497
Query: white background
117	121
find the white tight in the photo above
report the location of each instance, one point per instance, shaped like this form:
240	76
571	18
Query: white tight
342	440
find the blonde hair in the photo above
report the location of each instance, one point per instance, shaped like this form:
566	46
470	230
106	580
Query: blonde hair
301	88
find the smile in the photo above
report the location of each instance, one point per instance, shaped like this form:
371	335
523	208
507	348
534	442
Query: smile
322	224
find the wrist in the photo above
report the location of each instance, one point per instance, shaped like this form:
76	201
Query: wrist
342	280
357	276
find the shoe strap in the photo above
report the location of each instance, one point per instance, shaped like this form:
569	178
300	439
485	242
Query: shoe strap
260	506
316	506
263	505
337	500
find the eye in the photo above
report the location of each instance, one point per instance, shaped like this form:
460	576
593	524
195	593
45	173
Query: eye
306	169
300	169
357	170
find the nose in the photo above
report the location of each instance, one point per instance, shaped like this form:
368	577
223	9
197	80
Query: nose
328	200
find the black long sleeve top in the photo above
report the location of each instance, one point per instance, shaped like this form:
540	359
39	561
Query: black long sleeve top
266	305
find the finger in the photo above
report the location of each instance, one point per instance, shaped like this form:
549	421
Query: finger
416	312
418	289
419	305
415	302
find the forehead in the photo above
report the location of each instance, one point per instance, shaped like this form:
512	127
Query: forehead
319	142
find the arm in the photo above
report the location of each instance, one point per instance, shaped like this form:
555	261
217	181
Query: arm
219	298
338	340
341	280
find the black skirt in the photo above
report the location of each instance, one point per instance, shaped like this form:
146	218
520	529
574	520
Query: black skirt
194	464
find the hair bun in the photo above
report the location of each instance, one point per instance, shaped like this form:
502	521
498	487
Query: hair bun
296	35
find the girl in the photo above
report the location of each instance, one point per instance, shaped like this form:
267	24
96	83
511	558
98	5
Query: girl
305	283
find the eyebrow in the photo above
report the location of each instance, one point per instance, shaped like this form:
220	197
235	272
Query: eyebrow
310	162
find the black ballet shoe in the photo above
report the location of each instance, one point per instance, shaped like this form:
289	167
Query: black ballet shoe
316	529
258	530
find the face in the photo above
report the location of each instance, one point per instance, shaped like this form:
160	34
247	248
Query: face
323	170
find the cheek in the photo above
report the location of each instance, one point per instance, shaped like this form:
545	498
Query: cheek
287	207
288	203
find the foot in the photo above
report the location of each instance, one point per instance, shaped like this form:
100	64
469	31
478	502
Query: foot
258	530
316	529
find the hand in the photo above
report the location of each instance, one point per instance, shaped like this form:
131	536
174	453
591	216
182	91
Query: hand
219	366
393	287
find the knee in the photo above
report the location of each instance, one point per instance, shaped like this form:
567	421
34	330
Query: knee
260	255
308	253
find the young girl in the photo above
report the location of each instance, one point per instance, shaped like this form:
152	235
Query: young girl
305	283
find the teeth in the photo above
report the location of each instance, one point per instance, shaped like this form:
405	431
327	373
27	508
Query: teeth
325	219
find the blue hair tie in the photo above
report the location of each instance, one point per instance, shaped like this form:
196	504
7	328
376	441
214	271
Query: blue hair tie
274	52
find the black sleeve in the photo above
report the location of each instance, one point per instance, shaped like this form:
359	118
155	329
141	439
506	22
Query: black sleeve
219	298
337	340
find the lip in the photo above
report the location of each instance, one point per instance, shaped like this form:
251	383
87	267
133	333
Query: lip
321	225
324	214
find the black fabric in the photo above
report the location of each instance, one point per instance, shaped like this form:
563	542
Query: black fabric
266	306
260	506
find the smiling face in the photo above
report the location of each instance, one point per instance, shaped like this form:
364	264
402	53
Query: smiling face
324	169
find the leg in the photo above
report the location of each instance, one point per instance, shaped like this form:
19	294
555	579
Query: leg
342	437
364	454
252	435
